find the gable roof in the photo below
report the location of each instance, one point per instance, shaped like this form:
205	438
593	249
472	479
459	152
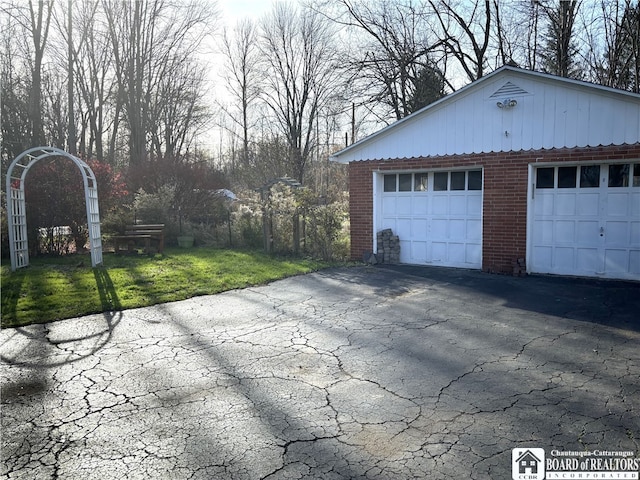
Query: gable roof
511	109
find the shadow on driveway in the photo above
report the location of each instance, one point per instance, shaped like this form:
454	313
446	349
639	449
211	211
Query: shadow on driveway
612	303
347	373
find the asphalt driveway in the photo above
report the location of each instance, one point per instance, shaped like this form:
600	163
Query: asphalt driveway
363	372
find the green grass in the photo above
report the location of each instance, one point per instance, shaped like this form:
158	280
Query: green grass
64	287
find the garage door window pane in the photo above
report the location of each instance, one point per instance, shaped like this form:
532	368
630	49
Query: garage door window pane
589	176
619	175
420	182
475	180
389	183
567	177
440	180
544	177
404	182
636	175
457	180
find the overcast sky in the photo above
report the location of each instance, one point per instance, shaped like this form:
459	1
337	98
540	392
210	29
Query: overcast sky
234	10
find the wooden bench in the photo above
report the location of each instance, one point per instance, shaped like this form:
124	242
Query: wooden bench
144	235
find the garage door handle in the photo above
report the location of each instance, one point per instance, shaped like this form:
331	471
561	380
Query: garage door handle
602	231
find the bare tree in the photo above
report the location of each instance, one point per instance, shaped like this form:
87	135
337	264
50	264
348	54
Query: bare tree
40	22
624	62
465	30
34	20
148	39
14	94
614	48
394	55
95	82
70	80
242	77
54	109
515	34
301	58
132	30
178	112
533	29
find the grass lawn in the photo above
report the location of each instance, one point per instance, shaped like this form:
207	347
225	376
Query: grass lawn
64	287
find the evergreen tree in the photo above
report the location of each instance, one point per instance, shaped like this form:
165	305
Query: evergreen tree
429	86
559	47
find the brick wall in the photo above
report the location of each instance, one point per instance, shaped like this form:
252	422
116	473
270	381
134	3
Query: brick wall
505	195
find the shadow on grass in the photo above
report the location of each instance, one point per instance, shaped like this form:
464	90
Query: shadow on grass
11	292
107	291
39	346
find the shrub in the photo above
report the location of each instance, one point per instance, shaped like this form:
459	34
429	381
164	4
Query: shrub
154	207
322	228
246	222
326	227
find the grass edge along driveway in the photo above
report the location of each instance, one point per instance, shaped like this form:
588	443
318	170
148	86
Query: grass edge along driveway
52	289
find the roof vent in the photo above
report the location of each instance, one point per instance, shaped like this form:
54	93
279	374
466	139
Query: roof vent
508	90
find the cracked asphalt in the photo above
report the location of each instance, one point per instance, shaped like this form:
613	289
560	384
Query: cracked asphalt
362	372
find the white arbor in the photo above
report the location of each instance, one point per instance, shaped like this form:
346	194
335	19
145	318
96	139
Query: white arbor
16	207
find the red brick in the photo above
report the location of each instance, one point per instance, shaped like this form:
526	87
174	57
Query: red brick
505	185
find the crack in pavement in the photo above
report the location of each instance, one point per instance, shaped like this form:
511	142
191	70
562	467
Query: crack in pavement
345	373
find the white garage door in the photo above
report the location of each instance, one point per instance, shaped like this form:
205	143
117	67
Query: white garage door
437	216
586	220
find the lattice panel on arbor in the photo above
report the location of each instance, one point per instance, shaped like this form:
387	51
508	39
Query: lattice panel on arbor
16	206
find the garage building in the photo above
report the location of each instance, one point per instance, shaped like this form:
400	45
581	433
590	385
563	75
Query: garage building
518	171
